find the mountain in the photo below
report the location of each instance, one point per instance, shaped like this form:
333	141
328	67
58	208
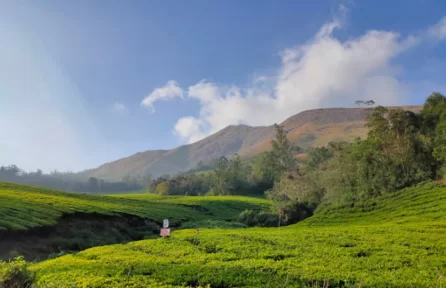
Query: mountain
310	128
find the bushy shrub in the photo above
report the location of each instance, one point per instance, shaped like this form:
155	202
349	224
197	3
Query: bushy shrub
293	212
297	211
15	274
258	218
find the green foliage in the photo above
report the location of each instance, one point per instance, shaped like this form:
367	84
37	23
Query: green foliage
163	188
233	176
272	164
23	207
305	188
189	185
258	218
396	240
402	149
75	221
230	177
316	157
16	274
283	151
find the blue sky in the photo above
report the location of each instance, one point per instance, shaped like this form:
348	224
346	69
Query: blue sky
88	82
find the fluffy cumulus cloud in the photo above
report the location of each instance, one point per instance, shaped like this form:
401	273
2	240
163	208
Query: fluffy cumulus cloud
189	128
323	72
170	90
119	108
439	30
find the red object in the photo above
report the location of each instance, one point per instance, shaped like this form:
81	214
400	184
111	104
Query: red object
165	232
281	212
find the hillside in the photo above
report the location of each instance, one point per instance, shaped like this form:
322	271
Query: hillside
423	203
386	245
306	129
37	221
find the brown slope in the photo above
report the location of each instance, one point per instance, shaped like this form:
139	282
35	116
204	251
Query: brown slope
307	129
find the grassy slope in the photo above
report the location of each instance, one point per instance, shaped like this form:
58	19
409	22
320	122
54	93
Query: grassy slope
398	242
424	203
23	207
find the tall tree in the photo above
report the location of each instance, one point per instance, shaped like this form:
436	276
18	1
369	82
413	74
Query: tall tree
283	150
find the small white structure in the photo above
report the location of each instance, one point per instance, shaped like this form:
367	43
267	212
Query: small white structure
165	231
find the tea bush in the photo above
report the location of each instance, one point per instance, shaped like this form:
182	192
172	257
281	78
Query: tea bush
394	241
15	274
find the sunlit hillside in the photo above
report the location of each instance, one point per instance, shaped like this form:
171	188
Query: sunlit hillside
376	244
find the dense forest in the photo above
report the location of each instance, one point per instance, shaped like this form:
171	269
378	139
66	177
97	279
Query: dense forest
403	148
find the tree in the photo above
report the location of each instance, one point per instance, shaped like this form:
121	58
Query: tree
93	185
434	123
230	177
163	188
316	157
359	102
369	103
283	149
223	178
270	166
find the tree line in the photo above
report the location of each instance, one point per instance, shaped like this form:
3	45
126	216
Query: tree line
234	176
68	181
402	148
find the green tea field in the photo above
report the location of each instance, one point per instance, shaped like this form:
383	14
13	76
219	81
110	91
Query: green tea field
23	207
36	221
394	241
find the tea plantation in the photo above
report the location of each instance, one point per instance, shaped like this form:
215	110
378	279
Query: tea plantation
23	207
38	223
398	240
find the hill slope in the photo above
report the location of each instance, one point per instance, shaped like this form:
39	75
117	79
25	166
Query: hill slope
423	203
390	245
37	221
308	128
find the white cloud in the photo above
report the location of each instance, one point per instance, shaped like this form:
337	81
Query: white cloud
323	72
189	129
120	108
438	30
169	91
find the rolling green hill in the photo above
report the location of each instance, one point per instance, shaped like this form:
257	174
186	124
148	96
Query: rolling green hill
57	221
398	240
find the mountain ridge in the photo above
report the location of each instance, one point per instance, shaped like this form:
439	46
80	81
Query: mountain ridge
309	128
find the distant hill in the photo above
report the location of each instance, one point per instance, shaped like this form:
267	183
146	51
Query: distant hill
310	128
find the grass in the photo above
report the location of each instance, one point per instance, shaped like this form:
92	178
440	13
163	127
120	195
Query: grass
398	240
23	207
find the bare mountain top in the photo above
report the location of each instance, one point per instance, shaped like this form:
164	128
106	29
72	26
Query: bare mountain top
308	128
